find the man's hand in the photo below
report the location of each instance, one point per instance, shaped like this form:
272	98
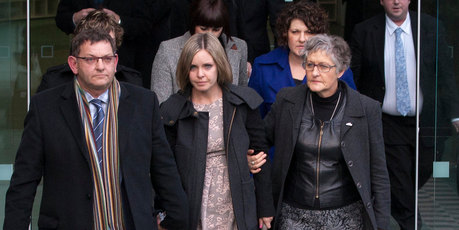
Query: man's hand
112	14
255	161
158	221
265	221
249	69
456	126
81	14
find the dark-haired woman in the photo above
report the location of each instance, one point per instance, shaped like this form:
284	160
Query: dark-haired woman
280	68
206	16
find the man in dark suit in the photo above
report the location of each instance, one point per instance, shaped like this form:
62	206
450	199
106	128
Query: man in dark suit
384	67
99	146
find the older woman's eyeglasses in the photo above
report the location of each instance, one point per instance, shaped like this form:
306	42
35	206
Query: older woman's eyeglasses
92	60
323	68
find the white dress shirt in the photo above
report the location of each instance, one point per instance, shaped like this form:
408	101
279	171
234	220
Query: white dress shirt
390	100
92	108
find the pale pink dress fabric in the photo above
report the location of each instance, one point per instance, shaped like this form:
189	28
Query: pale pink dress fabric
217	207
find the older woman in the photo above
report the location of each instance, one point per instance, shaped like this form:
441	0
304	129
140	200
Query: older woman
329	170
206	16
280	68
210	124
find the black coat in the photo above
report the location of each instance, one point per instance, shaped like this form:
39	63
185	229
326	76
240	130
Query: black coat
362	146
254	14
53	146
186	130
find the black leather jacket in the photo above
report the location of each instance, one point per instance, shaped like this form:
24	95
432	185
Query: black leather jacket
318	176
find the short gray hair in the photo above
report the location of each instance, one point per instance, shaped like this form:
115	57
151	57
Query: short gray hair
335	47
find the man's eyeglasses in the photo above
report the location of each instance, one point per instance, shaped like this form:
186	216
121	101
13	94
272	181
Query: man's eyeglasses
92	60
323	68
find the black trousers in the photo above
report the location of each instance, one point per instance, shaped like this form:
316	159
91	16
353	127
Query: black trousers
400	145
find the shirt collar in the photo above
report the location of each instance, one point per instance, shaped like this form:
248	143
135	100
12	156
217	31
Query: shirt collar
406	25
103	97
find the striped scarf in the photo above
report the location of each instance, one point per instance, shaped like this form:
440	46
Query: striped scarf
107	207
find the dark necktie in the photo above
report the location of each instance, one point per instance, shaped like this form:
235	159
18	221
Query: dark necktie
98	128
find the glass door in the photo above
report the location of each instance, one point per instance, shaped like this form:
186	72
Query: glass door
438	200
19	80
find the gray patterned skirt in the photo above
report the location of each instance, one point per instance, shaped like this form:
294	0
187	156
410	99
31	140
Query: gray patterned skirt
349	217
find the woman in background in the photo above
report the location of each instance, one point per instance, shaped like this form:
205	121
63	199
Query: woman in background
210	125
280	68
206	16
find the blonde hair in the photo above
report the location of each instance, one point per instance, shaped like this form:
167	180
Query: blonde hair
212	45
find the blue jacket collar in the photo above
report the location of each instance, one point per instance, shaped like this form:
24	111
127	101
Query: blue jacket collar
277	56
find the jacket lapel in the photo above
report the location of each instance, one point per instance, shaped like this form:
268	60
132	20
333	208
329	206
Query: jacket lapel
353	111
296	110
125	115
414	29
378	37
69	108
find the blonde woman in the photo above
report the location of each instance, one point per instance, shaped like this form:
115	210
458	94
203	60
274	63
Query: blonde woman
210	125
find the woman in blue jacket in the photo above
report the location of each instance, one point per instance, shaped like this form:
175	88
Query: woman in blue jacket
282	67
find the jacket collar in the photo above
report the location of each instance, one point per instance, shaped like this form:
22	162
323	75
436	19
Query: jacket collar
69	108
278	56
353	110
179	106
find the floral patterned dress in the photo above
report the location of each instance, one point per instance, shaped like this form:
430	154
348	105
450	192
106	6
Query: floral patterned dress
217	207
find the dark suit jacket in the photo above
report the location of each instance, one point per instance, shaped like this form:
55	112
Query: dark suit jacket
367	46
53	147
61	74
254	16
362	147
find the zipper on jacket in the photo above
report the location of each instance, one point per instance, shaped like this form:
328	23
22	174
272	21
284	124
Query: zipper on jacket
321	133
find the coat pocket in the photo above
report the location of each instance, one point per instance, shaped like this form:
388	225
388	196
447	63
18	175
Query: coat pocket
47	222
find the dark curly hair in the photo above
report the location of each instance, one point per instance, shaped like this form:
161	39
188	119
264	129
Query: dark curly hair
313	16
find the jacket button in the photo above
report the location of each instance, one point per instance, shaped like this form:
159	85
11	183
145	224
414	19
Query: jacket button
350	163
171	122
195	114
343	144
359	185
383	88
369	205
88	196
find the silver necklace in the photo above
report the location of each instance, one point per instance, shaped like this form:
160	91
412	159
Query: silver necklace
334	110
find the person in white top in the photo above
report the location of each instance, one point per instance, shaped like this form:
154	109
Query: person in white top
384	67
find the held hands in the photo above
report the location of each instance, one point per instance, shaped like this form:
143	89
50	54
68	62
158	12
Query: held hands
456	126
81	14
265	222
84	12
112	14
255	161
158	221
